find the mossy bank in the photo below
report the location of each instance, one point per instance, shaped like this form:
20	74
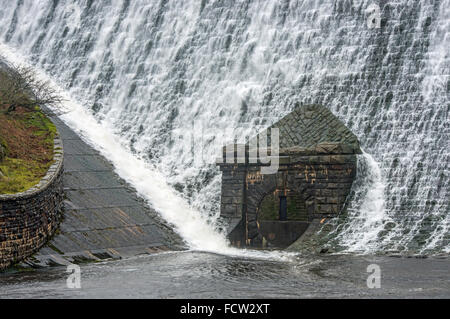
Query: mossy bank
26	139
31	170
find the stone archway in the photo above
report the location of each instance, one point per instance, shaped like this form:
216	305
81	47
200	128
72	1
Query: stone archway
277	228
262	210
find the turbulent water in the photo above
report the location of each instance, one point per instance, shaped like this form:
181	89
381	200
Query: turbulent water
165	80
204	275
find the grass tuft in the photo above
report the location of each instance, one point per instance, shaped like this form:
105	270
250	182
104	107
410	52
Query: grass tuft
27	137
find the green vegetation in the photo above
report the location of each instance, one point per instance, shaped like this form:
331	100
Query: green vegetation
20	175
26	144
270	205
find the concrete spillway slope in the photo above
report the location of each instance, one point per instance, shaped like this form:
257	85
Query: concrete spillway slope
103	218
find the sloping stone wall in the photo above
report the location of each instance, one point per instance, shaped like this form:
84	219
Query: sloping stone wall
29	219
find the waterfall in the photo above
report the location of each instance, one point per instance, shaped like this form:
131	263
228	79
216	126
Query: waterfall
436	90
149	75
199	233
367	217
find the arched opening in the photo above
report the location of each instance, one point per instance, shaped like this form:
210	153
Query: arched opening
282	218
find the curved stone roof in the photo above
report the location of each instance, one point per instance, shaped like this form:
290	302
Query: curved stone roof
314	129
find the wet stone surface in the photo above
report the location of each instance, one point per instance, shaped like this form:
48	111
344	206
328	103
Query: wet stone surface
103	216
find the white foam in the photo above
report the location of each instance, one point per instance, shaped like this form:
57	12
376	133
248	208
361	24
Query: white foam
198	232
365	223
153	70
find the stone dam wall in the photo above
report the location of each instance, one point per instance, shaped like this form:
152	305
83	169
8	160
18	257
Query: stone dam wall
30	218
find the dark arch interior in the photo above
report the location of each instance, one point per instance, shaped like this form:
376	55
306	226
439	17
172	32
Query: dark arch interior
282	218
277	206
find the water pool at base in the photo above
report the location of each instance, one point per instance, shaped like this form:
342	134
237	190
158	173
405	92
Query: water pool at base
204	275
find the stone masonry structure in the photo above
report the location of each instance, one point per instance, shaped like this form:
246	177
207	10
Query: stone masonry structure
317	166
29	219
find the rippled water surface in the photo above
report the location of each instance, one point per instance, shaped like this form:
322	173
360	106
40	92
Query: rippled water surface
204	275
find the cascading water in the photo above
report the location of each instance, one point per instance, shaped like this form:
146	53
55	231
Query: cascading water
199	233
366	212
154	72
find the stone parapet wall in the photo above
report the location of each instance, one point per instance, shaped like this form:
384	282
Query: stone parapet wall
29	219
